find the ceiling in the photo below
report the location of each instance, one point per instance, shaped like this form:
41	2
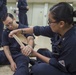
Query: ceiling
43	1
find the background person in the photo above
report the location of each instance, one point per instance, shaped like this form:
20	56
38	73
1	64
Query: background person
3	10
23	8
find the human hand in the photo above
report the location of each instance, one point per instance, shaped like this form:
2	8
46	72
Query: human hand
13	32
26	50
13	66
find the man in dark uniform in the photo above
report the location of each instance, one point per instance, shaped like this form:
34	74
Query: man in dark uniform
3	10
23	8
19	62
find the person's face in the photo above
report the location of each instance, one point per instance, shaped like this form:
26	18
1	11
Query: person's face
53	24
10	23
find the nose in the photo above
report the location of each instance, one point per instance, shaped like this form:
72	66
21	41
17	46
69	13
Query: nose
10	26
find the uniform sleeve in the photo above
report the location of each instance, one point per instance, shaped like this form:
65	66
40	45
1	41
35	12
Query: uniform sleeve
54	62
5	2
5	39
44	31
1	3
27	35
22	4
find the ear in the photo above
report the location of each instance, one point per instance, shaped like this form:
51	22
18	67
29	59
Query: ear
3	22
14	19
62	23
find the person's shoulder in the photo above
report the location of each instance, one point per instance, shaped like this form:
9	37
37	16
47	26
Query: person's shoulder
6	30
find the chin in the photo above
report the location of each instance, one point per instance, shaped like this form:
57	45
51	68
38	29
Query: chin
53	30
11	29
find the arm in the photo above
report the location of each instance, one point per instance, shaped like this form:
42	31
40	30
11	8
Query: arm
24	31
30	41
30	46
5	44
35	54
6	49
44	58
9	57
8	54
37	30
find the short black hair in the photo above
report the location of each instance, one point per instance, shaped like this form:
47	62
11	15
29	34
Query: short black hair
63	11
6	15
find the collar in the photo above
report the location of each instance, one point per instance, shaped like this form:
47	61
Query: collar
69	32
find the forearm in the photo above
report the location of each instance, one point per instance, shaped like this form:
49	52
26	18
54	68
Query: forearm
30	41
44	58
8	54
23	31
26	30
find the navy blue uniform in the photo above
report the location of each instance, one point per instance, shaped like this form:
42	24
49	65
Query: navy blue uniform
21	60
22	12
63	56
1	31
3	10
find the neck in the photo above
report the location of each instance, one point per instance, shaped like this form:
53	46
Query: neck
62	32
16	26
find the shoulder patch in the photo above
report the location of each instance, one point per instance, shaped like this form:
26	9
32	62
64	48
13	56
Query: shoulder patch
62	62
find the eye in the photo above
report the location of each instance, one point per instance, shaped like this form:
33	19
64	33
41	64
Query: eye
7	25
11	22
